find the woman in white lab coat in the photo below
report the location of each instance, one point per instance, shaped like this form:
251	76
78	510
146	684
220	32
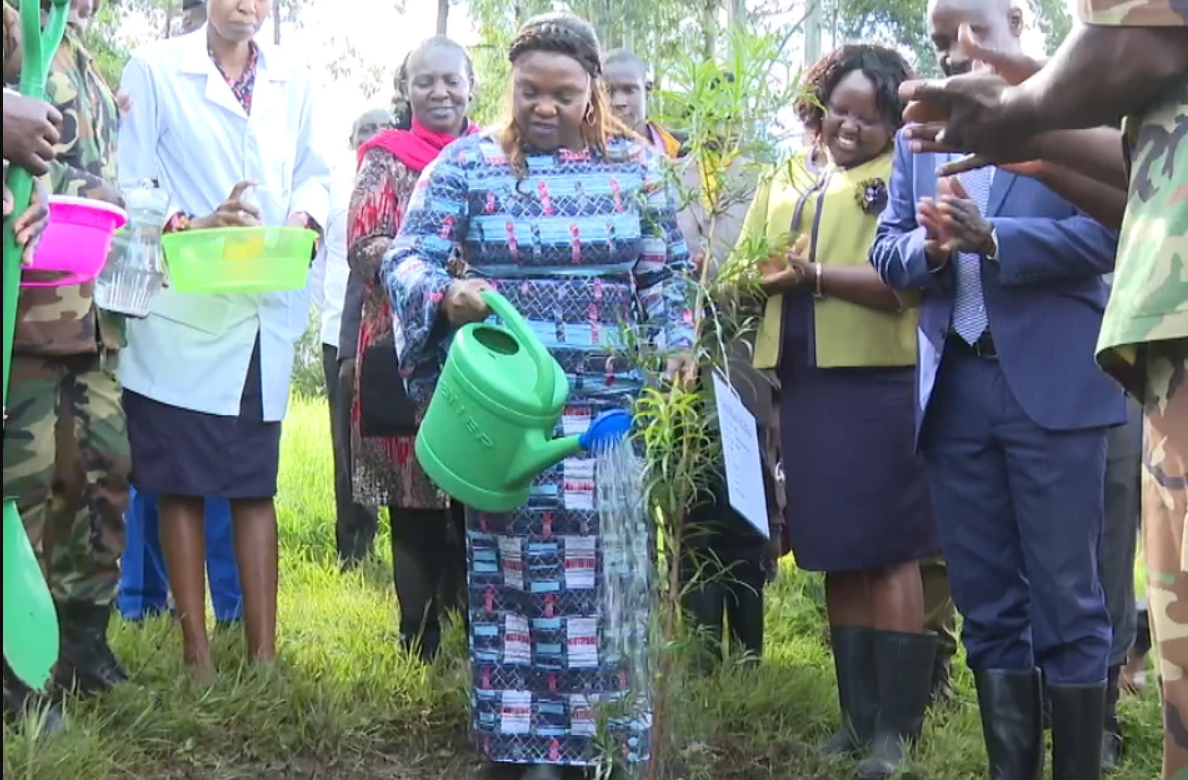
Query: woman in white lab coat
206	377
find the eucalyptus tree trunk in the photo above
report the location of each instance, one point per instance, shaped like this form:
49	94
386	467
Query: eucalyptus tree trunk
812	32
443	16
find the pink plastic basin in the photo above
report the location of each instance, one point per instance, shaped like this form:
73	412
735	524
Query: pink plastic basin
75	243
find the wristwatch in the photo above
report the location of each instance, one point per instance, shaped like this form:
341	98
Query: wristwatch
993	256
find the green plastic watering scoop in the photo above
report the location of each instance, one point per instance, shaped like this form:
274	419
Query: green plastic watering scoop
30	620
488	430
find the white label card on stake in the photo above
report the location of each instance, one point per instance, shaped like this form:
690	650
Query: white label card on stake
740	447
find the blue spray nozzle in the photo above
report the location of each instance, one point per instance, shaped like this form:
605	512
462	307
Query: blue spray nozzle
607	430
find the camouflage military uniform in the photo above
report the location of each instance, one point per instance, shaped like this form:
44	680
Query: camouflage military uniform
1144	342
65	357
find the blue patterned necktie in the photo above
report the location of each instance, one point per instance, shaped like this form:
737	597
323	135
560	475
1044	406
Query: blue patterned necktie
969	309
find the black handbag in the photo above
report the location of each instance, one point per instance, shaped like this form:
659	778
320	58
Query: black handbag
385	409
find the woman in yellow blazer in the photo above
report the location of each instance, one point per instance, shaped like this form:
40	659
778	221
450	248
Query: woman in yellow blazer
844	347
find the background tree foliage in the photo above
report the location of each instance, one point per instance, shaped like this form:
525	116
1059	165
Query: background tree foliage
901	23
661	31
1053	20
904	23
103	41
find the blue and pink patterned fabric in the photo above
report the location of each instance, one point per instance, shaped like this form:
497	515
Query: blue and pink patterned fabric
582	246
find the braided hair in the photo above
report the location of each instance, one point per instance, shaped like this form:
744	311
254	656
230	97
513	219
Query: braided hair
885	67
574	37
401	104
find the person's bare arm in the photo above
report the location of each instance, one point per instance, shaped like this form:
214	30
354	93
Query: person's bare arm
1104	202
1101	74
858	284
1095	153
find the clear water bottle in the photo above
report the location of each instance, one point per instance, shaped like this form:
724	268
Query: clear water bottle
134	273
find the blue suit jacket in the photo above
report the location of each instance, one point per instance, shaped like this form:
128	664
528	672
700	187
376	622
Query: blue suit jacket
1044	296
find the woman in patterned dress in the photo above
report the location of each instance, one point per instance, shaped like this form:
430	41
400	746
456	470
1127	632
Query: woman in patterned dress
433	93
568	216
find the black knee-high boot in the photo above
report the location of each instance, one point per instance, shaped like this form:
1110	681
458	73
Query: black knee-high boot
1011	704
1077	715
904	663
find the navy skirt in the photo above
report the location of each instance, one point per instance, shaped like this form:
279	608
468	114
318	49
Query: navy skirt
180	452
857	491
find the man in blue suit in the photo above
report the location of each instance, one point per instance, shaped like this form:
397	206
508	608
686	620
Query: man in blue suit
1011	419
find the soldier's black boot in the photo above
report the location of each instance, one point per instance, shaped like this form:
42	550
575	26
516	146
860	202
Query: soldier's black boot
21	703
86	664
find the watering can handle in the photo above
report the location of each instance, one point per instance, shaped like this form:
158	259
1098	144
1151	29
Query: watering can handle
516	323
37	52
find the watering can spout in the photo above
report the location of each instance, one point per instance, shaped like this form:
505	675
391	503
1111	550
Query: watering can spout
607	430
540	455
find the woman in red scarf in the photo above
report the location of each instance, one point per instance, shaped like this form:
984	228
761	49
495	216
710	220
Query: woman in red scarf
433	90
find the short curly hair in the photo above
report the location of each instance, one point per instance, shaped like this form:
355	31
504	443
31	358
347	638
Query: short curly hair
885	67
401	105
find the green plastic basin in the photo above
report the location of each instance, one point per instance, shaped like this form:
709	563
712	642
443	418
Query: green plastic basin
238	260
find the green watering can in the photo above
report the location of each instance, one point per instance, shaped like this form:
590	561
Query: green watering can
30	620
488	430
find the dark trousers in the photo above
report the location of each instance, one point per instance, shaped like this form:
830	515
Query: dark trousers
940	614
144	583
429	568
1123	485
355	524
723	576
1019	509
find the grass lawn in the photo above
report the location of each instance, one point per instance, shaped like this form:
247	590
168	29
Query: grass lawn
346	704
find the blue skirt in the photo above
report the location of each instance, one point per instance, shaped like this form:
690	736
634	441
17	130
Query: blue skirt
180	452
857	492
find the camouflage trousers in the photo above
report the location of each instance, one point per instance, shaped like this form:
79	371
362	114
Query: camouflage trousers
1165	512
80	550
940	613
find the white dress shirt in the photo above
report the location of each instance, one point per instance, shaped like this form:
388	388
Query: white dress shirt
188	130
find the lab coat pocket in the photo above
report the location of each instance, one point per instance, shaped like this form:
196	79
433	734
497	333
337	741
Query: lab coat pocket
208	314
